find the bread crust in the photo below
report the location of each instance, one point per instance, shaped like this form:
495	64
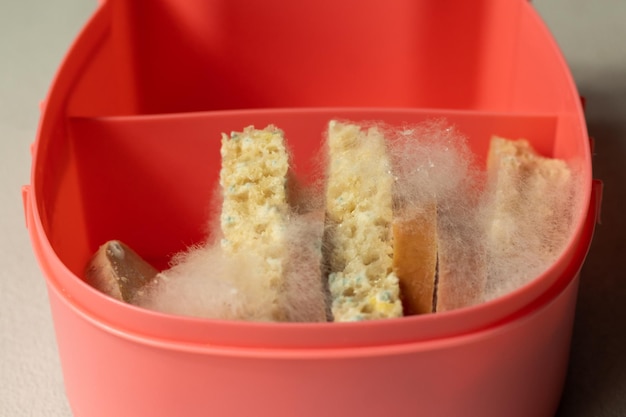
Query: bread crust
118	271
415	257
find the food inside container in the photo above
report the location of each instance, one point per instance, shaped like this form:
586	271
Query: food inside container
395	221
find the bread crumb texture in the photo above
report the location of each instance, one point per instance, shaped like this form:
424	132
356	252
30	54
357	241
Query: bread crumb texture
359	186
254	208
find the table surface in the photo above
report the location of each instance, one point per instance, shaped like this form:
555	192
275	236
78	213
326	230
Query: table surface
34	35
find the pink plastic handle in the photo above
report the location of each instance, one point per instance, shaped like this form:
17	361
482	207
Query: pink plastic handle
596	198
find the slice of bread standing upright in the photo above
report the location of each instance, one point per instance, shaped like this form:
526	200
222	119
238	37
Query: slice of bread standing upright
526	187
359	214
255	208
532	206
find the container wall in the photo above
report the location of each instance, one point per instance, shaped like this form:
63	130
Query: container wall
516	369
167	56
541	80
170	56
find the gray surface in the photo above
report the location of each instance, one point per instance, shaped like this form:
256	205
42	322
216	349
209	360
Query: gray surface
34	34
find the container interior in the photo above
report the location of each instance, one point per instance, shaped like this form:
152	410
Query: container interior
129	143
149	181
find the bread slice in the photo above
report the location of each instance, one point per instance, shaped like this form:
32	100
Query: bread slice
359	216
415	257
531	209
255	209
525	186
118	271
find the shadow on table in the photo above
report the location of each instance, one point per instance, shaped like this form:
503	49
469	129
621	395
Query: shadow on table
596	382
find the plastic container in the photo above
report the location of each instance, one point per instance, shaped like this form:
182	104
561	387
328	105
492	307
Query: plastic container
128	148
